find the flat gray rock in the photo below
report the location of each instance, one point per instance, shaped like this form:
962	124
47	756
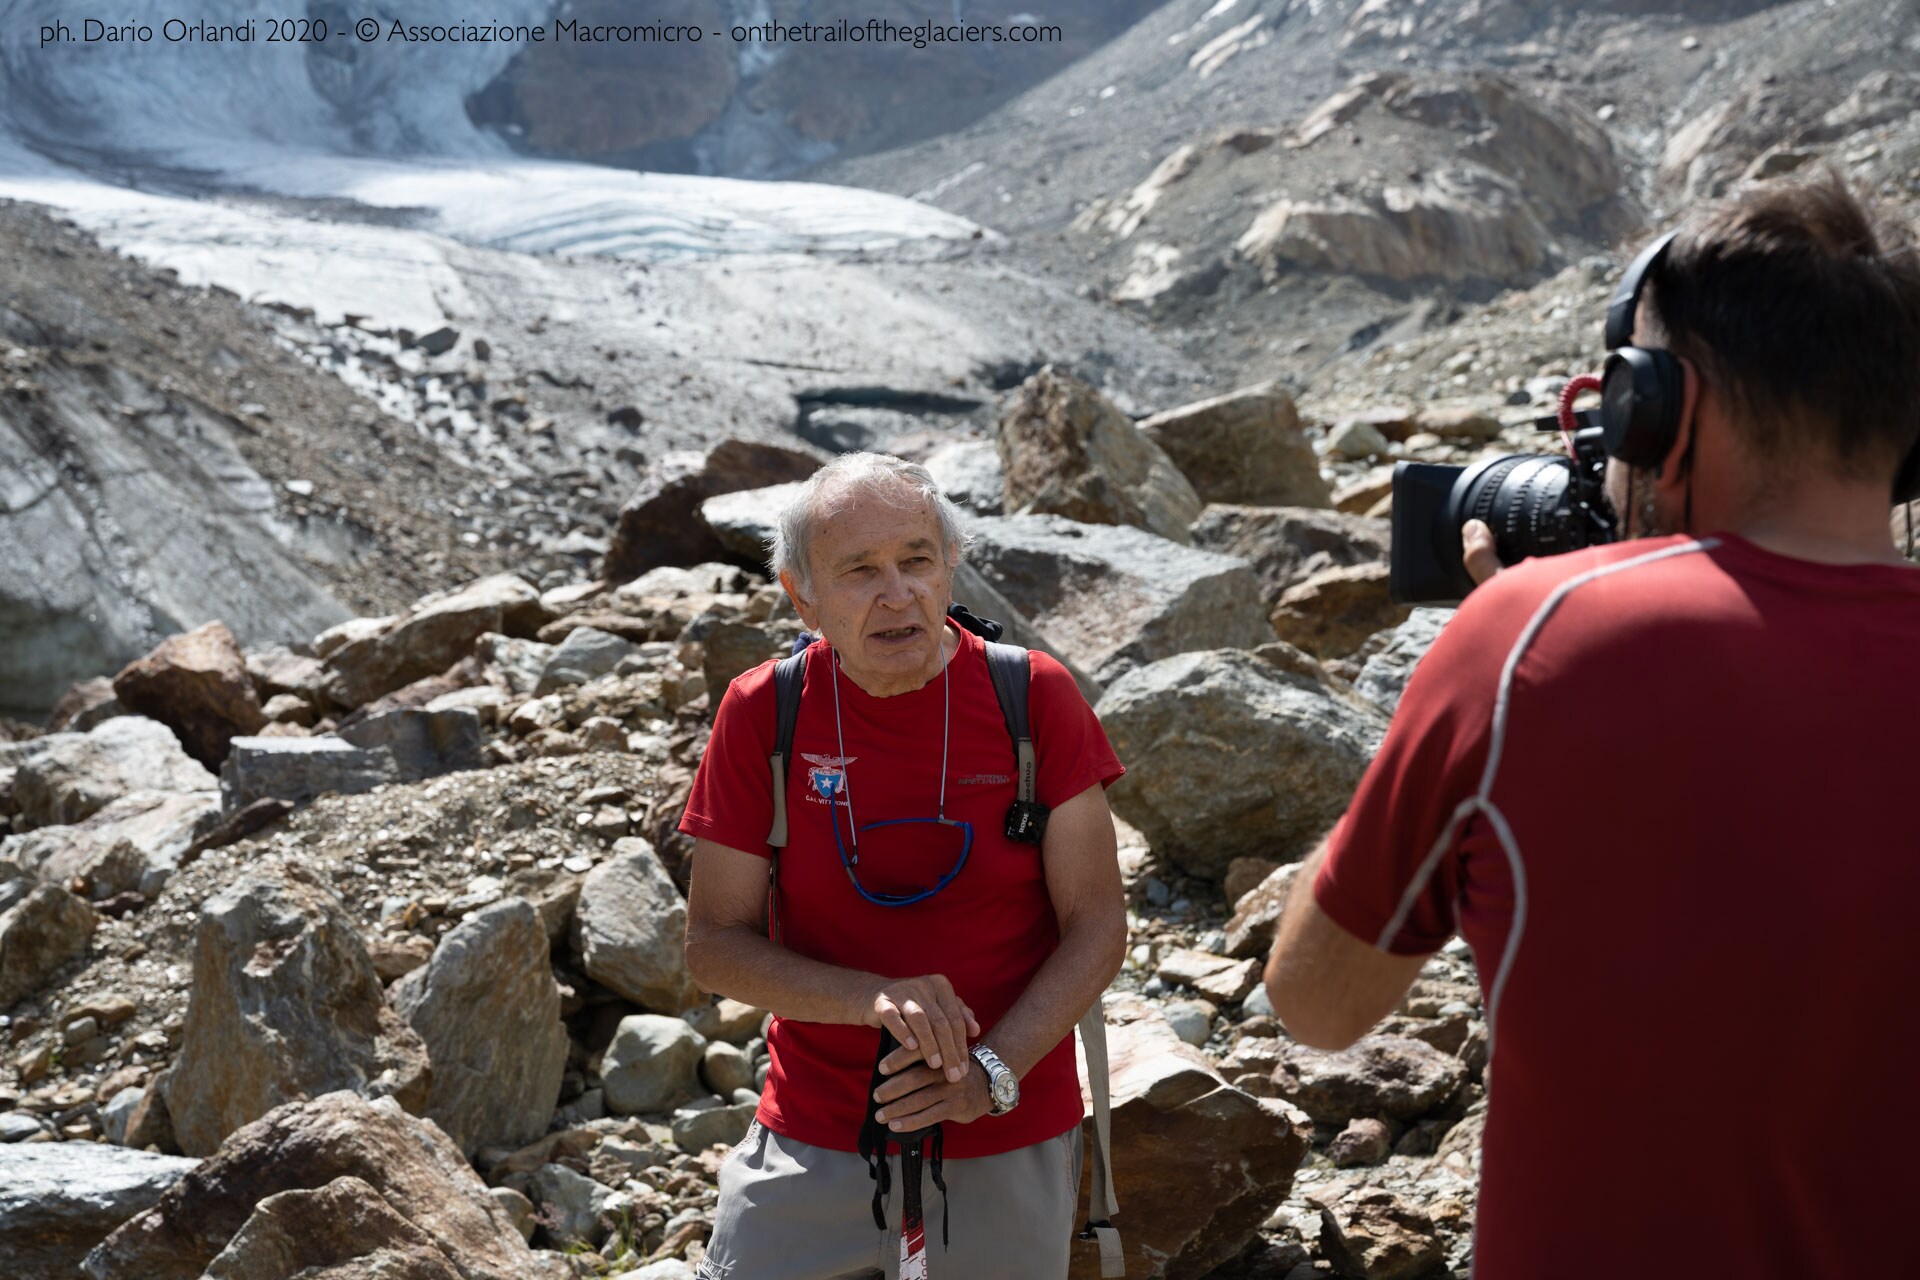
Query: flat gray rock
60	1199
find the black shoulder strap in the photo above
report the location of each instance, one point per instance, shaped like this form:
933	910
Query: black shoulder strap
1011	670
789	676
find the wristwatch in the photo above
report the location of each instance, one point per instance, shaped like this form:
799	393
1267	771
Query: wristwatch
1002	1085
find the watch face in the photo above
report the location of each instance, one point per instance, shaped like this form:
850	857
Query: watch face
1006	1091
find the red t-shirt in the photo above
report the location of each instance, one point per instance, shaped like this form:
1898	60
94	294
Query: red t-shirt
988	931
1679	834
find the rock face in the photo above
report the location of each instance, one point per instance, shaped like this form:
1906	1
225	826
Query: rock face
1197	1163
660	524
65	777
343	1228
1337	610
1384	676
1115	598
60	1199
630	929
1245	446
39	934
285	1003
1066	450
488	1010
1391	1076
652	1065
437	632
412	1166
1287	545
1229	757
197	685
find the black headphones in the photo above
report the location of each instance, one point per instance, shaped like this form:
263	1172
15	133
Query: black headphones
1642	389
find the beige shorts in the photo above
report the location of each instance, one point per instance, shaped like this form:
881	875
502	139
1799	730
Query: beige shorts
790	1211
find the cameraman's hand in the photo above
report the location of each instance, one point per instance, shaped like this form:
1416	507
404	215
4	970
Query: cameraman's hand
1479	556
928	1019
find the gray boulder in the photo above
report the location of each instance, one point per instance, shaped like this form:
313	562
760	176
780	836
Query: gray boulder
1115	598
1067	450
421	743
586	654
697	1128
630	929
157	826
1383	678
653	1064
969	472
1228	756
1392	1076
284	1004
39	934
67	777
576	1208
1287	545
60	1199
743	522
298	769
1245	446
488	1010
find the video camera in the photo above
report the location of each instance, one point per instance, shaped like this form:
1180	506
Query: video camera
1536	505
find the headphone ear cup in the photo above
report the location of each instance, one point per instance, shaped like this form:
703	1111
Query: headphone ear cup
1642	392
1906	482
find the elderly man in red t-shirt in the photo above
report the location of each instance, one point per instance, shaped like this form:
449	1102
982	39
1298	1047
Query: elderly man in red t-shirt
904	773
1665	790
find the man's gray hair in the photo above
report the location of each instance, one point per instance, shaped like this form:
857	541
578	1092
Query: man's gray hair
837	486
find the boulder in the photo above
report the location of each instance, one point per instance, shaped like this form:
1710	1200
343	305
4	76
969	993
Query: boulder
421	743
1257	915
743	522
1198	1164
1385	674
1365	1141
1469	422
1244	876
1376	1235
1285	546
39	934
697	1128
1228	756
1221	980
277	671
1382	1076
725	1067
652	1065
159	826
514	664
731	1020
60	1199
84	704
284	1003
1245	446
66	777
731	648
574	1208
488	1010
343	1231
970	473
660	523
1337	610
413	1167
586	654
630	929
1067	450
298	769
1114	598
435	633
197	685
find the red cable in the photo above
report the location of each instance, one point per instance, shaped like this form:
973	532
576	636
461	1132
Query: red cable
1568	394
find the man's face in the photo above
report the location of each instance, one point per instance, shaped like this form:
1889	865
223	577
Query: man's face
881	586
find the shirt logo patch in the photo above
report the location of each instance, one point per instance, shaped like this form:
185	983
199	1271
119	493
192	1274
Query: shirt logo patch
827	779
985	780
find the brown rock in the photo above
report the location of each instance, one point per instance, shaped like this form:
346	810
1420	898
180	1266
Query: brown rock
1245	446
284	1004
395	958
83	698
488	1009
197	685
1359	497
412	1166
1244	875
1365	1141
436	633
1457	422
1198	1165
148	1124
1392	1076
1334	612
1068	451
660	524
343	1229
1257	915
277	669
1289	545
39	934
1376	1235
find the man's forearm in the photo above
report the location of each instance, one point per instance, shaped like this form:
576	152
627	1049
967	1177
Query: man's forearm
1064	988
748	966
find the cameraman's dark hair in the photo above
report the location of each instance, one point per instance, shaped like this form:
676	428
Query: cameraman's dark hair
1802	303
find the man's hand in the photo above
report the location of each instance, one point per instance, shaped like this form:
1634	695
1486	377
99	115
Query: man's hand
1479	556
922	1096
928	1019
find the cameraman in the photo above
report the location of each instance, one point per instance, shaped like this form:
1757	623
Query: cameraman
1665	789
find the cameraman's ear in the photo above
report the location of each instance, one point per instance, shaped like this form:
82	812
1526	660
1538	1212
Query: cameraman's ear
1672	468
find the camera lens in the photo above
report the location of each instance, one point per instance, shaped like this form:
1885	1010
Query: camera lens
1523	498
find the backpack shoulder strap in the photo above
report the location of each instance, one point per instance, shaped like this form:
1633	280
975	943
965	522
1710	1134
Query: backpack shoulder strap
789	677
1012	670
